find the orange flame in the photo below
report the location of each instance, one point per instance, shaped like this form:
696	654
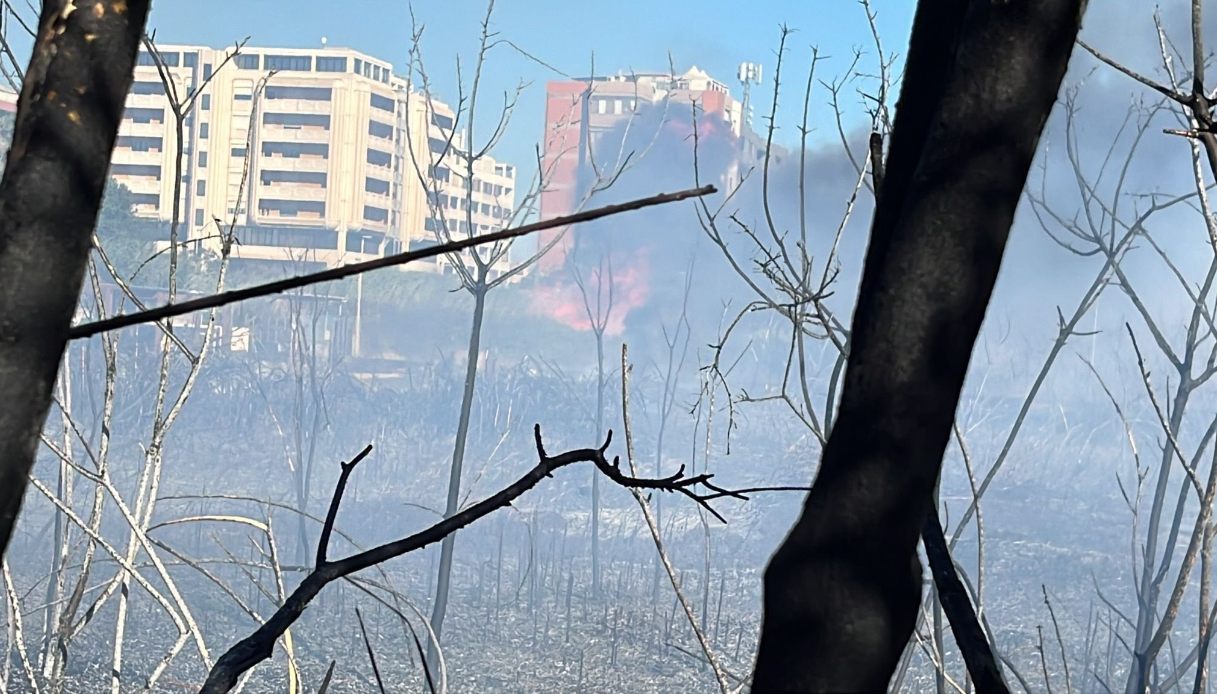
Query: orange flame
561	300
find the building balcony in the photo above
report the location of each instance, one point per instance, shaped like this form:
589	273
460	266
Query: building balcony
298	106
125	155
282	133
377	200
295	163
384	143
374	226
330	257
129	127
383	173
273	218
147	100
292	191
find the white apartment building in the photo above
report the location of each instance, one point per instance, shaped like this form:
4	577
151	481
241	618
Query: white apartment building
435	187
316	170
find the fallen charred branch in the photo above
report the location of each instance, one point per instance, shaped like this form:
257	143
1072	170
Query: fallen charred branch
259	645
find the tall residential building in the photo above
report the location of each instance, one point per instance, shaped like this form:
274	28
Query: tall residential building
610	102
316	171
435	194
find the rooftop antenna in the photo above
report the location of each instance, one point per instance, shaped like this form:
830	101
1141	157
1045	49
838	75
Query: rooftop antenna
749	74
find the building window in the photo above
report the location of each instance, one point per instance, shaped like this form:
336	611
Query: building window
203	131
376	186
248	61
312	178
190	59
383	103
198	217
170	59
292	208
200	187
202	160
150	170
379	158
381	130
145	115
146	198
442	122
437	145
294	63
238	152
147	88
139	144
303	93
207	69
375	214
297	120
358	66
206	102
287	237
243	97
325	64
295	150
363	243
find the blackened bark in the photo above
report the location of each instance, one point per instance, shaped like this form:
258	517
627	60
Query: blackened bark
67	121
842	592
973	645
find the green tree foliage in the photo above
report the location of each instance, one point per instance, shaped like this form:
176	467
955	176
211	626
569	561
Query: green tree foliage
128	240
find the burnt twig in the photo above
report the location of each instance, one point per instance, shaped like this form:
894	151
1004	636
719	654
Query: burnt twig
327	528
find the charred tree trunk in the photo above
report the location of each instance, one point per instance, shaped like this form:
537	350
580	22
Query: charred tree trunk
67	120
843	590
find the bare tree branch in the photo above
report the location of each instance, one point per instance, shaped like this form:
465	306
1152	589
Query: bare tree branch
258	646
233	296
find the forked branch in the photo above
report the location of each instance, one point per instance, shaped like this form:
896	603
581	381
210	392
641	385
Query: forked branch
258	646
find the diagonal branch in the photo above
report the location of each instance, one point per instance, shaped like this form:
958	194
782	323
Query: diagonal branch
1168	92
230	297
973	645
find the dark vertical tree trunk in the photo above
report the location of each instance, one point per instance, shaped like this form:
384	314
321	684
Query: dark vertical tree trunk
843	590
67	120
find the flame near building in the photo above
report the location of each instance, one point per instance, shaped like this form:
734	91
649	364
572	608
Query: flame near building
653	121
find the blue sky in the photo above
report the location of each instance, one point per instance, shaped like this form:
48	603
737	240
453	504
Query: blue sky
624	34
